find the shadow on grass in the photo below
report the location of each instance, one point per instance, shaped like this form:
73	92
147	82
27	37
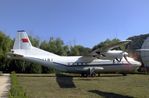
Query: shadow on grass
111	75
109	94
65	81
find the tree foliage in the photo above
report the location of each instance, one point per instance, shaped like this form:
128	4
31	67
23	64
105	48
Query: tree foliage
137	41
105	43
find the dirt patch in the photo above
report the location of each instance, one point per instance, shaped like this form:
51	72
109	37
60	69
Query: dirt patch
4	85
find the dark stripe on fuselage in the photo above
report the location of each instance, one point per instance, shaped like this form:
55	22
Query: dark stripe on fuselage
92	65
87	65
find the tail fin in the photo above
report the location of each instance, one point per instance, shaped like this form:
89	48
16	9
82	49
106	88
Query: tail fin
145	52
22	41
146	44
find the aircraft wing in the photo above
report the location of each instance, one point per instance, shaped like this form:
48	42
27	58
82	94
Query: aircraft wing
87	58
100	52
118	44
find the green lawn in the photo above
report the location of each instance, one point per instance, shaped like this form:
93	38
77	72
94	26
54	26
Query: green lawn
106	86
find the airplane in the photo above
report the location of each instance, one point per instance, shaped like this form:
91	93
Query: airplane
98	62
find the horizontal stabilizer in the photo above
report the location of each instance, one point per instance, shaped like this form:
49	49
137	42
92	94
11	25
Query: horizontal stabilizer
13	55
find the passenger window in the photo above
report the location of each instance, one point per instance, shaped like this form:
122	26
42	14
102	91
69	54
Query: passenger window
69	63
74	63
79	64
84	63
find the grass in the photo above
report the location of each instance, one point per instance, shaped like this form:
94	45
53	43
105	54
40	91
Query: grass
16	90
106	86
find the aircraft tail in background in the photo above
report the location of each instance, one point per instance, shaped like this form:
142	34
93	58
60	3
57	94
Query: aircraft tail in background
146	44
144	51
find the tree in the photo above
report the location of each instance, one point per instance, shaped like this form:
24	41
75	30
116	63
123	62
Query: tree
137	41
79	50
55	46
5	46
106	43
35	42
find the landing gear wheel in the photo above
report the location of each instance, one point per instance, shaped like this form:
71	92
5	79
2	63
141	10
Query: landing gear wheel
124	74
93	75
83	75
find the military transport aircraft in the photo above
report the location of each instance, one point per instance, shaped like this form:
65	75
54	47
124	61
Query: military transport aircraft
109	60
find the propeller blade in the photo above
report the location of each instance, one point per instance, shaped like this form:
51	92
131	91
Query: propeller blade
119	60
126	59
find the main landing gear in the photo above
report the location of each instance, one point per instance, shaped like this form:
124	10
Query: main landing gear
124	74
93	74
88	75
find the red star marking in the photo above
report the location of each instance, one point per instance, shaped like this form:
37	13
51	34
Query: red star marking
25	40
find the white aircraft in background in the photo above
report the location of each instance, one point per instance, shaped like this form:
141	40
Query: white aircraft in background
144	52
99	62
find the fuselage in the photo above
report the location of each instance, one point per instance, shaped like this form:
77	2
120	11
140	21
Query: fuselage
76	64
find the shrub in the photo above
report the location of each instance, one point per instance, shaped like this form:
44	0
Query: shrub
16	90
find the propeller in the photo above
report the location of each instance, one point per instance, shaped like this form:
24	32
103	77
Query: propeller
124	54
119	59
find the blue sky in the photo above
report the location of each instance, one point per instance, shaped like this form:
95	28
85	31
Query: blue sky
84	22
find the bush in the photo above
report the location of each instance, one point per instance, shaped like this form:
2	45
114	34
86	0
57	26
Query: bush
16	90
